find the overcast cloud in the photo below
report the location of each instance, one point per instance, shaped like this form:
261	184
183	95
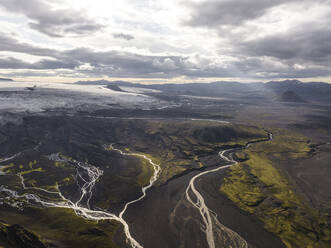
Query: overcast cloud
52	21
166	39
215	13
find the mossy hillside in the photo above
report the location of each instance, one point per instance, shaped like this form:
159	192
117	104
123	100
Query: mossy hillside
243	187
41	173
64	226
195	145
176	146
122	179
11	181
259	187
12	236
286	145
6	168
143	169
181	145
241	156
146	172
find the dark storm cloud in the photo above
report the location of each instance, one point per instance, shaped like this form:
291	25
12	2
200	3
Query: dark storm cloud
52	22
47	64
12	45
304	43
228	12
12	63
88	62
124	64
35	73
123	36
302	50
115	63
260	67
311	44
218	13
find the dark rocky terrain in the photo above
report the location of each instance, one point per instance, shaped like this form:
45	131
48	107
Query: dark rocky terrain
12	236
290	96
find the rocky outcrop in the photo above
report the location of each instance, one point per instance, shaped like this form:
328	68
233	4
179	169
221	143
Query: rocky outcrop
17	236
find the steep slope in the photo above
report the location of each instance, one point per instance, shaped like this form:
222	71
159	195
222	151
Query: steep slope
17	236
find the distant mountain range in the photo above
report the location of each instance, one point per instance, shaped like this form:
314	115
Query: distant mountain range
314	91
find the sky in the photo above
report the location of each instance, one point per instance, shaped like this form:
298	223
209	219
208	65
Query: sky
165	40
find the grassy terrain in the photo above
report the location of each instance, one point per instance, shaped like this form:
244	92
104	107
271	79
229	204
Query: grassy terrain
53	225
12	236
181	145
43	173
63	227
260	188
145	174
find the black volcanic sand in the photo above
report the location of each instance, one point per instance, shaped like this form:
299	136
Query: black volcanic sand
245	224
166	219
311	176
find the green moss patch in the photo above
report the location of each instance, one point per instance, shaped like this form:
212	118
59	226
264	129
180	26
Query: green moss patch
260	188
64	226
